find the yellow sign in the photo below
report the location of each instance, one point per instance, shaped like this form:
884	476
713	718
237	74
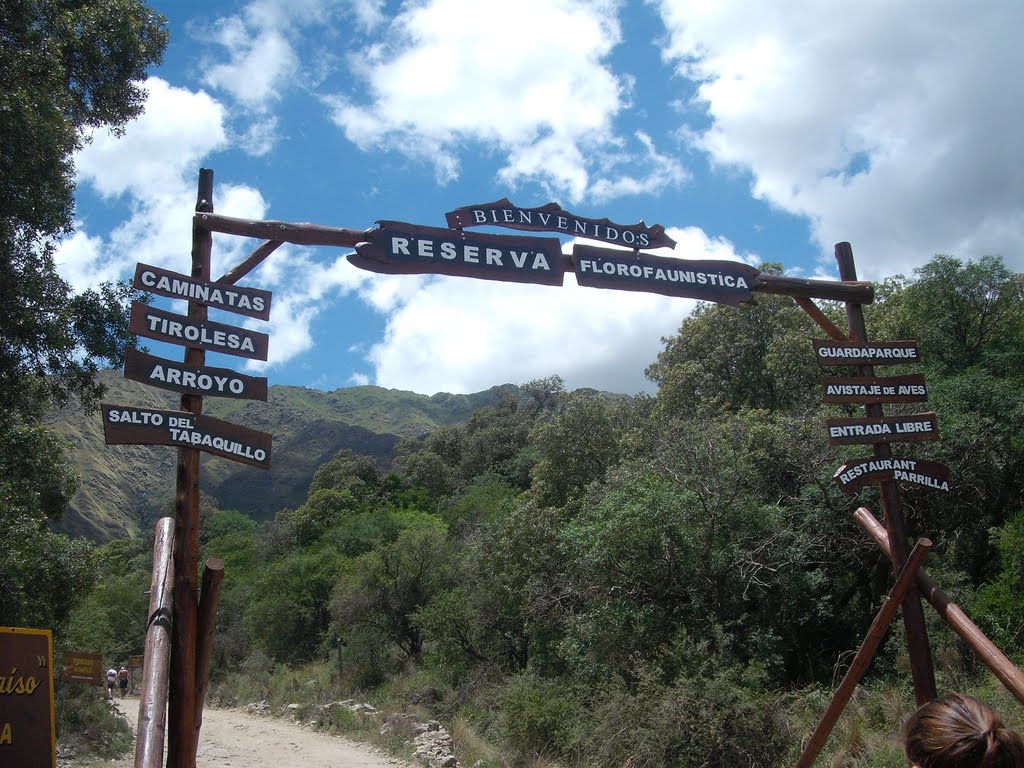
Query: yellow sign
27	735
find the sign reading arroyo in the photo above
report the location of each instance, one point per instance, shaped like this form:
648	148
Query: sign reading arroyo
883	429
27	735
865	353
214	337
726	282
253	302
551	218
409	249
131	425
855	474
874	389
178	377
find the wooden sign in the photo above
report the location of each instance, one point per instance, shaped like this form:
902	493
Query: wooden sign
178	377
855	474
83	667
253	302
864	353
725	282
27	723
874	389
883	429
397	248
551	218
215	337
135	662
131	425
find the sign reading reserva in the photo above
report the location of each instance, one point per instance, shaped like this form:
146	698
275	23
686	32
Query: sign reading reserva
725	282
883	429
857	473
397	248
253	302
189	380
865	353
214	337
27	724
131	425
552	218
874	389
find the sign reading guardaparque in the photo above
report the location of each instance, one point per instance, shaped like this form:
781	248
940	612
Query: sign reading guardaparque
726	282
865	353
397	248
131	425
551	218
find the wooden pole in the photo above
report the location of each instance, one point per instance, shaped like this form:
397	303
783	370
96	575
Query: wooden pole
993	658
149	736
892	506
181	704
209	597
866	652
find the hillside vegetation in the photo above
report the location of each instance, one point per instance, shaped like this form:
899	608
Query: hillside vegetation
660	581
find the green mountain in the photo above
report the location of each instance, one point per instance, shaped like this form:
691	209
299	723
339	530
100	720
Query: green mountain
124	488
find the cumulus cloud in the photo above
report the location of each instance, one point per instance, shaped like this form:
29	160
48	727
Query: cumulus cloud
891	125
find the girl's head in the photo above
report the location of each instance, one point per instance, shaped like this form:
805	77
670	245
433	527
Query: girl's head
957	731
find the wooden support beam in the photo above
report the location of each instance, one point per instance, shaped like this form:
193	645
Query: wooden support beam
283	231
848	290
820	318
209	597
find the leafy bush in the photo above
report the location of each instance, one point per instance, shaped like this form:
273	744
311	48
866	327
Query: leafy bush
89	724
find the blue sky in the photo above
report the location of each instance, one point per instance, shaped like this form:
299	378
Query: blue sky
750	131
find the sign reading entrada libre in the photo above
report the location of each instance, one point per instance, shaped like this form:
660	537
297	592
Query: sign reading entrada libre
551	218
855	474
865	353
398	248
883	429
27	726
215	337
131	425
726	282
188	380
874	389
253	302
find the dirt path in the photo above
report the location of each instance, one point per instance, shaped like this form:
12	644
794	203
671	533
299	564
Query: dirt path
231	738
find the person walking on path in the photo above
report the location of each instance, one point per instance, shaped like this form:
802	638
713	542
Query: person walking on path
122	680
111	679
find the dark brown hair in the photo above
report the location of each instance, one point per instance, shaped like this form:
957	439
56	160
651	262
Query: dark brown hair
957	731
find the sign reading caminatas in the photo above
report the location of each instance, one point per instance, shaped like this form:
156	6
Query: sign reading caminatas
253	302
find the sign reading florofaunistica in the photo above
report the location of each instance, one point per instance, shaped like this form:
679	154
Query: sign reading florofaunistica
409	249
214	337
883	429
854	475
865	353
874	389
725	282
131	425
27	735
551	218
253	302
188	380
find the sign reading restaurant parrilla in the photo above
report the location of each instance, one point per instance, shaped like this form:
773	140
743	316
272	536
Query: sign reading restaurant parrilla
253	302
409	249
551	218
215	337
726	282
855	474
883	429
178	377
865	353
131	425
874	389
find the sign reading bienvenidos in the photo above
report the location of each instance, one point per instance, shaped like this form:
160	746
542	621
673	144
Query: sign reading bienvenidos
253	302
213	337
552	218
409	249
857	473
82	667
132	425
189	380
27	724
725	282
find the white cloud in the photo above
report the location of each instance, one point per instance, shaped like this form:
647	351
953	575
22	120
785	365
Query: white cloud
535	87
892	125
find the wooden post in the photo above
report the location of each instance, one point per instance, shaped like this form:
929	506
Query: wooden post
959	622
864	654
149	737
209	597
892	506
181	704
